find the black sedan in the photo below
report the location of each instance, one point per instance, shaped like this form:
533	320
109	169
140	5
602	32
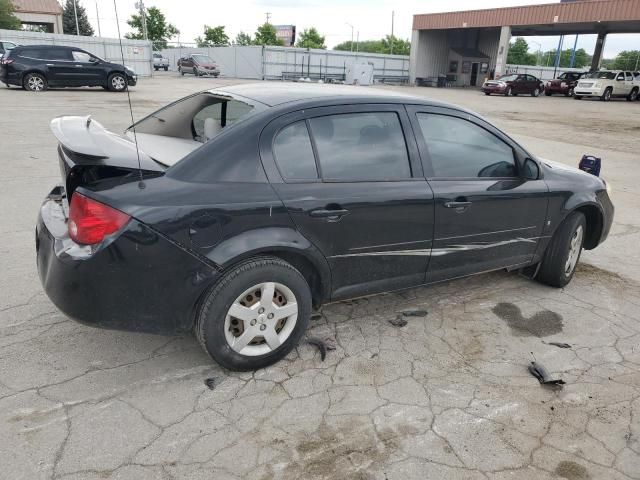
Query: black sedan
246	207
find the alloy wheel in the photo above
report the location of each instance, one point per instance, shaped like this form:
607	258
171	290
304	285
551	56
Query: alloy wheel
575	246
35	83
118	82
261	319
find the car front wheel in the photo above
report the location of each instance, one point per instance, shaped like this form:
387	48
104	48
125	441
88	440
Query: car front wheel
563	253
633	96
255	314
536	93
508	92
606	96
35	82
117	82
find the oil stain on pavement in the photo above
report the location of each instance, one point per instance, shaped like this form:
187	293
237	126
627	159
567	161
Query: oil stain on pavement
541	324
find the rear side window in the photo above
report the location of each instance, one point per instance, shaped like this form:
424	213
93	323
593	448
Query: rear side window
361	146
294	154
46	53
460	148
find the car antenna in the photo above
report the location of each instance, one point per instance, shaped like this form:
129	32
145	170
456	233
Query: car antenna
141	184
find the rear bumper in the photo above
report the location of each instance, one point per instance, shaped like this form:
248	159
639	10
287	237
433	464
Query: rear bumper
137	281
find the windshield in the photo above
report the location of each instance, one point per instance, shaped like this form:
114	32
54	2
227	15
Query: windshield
508	78
602	75
202	58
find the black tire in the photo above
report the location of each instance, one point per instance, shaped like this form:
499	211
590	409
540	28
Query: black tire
633	95
35	82
196	72
181	71
569	92
166	69
577	97
487	93
536	92
606	96
548	93
508	92
117	82
553	270
210	322
156	68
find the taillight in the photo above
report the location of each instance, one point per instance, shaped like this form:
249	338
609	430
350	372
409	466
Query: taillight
91	221
6	61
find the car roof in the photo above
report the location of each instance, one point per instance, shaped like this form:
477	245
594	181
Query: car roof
278	93
23	47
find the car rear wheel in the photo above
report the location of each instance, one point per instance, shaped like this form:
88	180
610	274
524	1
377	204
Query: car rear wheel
508	92
548	93
633	96
35	82
577	97
166	69
606	96
196	72
535	93
487	93
569	93
255	314
563	253
117	82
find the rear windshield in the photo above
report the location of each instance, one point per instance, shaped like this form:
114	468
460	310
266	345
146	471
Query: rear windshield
602	75
508	78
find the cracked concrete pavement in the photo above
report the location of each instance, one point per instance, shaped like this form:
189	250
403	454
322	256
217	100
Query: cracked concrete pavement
447	395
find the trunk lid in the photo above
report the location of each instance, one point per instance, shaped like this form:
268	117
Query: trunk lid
89	153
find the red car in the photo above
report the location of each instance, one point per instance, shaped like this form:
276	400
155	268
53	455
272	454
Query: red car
515	84
564	84
199	64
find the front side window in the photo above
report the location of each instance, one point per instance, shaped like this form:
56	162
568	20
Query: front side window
460	148
361	146
202	58
294	154
82	57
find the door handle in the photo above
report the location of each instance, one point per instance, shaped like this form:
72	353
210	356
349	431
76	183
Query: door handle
459	206
78	66
331	215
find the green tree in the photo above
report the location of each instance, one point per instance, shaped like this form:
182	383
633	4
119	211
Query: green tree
213	36
400	47
582	58
8	20
243	39
159	31
311	39
266	35
627	60
368	46
519	53
69	20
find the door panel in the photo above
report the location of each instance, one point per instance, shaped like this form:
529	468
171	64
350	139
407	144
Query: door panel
486	216
376	235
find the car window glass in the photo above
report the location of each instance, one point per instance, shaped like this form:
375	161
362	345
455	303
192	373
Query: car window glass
83	57
460	148
620	76
629	76
210	120
361	146
294	154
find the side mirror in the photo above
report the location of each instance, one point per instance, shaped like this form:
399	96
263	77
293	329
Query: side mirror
530	170
94	60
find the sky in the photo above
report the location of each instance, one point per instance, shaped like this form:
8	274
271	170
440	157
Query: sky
371	19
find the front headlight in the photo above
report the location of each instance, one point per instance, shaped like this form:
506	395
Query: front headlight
130	71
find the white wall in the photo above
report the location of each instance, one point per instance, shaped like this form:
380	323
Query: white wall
137	53
543	73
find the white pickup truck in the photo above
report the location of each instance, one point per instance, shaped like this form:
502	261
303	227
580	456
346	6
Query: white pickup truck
607	84
160	62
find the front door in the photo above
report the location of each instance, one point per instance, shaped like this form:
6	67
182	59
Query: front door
486	216
89	71
474	74
351	179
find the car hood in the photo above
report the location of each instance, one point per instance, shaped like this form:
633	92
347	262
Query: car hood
570	174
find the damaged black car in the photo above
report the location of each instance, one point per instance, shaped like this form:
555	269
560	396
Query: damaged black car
235	212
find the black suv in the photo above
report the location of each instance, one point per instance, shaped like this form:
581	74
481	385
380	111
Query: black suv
37	67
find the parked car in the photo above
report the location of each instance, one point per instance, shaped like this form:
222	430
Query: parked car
515	84
37	67
198	64
160	62
5	46
607	84
312	194
564	84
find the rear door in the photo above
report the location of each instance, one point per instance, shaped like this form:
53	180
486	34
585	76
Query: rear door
486	216
351	179
58	64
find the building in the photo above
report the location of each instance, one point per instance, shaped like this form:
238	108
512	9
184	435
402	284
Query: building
45	15
471	45
286	33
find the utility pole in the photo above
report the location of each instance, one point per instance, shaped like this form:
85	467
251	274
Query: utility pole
573	53
351	35
391	47
268	15
75	13
98	18
357	42
143	16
